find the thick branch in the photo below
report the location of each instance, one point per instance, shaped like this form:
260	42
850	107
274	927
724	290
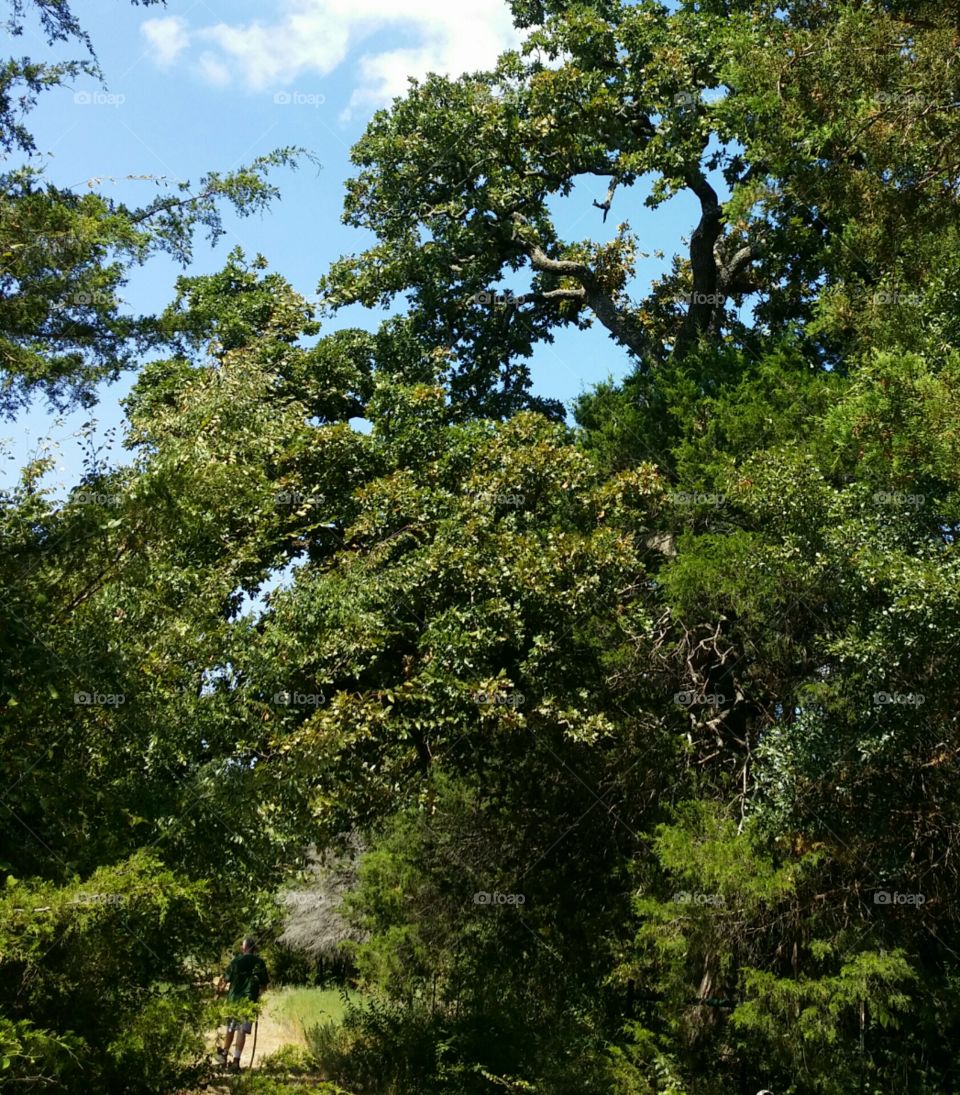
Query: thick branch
620	325
705	301
732	276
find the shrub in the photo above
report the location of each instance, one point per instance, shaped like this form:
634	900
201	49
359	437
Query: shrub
378	1048
287	1061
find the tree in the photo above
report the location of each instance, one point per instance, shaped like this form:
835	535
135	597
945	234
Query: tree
681	677
64	256
808	192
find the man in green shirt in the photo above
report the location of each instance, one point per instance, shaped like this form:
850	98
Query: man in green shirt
247	977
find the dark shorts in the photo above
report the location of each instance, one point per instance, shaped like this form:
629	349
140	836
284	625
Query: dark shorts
237	1024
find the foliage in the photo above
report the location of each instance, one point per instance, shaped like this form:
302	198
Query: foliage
65	256
101	962
265	1082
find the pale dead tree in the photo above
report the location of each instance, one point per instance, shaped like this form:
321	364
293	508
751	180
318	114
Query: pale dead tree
315	922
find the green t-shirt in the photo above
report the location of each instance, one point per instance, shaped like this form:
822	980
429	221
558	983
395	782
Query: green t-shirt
247	975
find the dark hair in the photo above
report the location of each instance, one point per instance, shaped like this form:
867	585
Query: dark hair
250	943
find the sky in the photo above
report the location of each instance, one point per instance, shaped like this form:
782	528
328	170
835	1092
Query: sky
200	85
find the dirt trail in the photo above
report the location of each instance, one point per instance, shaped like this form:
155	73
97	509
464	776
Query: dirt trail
271	1036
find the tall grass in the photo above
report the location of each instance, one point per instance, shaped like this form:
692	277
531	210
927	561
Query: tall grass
299	1008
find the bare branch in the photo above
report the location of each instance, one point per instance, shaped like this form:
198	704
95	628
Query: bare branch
608	200
554	295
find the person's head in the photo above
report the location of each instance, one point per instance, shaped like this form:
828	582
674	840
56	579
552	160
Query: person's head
249	944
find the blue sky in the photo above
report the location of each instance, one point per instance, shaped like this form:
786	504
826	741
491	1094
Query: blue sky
203	85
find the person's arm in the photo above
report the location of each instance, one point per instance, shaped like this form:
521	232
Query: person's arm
226	979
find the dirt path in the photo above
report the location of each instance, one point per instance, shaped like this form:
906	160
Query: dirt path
271	1036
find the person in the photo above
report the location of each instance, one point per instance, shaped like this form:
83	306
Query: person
247	977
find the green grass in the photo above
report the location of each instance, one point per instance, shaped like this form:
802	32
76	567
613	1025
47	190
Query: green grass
299	1008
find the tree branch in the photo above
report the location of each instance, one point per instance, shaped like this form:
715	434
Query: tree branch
732	274
608	200
545	297
620	325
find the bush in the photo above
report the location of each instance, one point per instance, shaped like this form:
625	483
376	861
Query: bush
97	970
388	1049
156	1044
258	1083
290	967
287	1061
34	1057
377	1048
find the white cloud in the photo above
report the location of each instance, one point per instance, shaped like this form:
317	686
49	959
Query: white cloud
213	70
169	38
314	37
